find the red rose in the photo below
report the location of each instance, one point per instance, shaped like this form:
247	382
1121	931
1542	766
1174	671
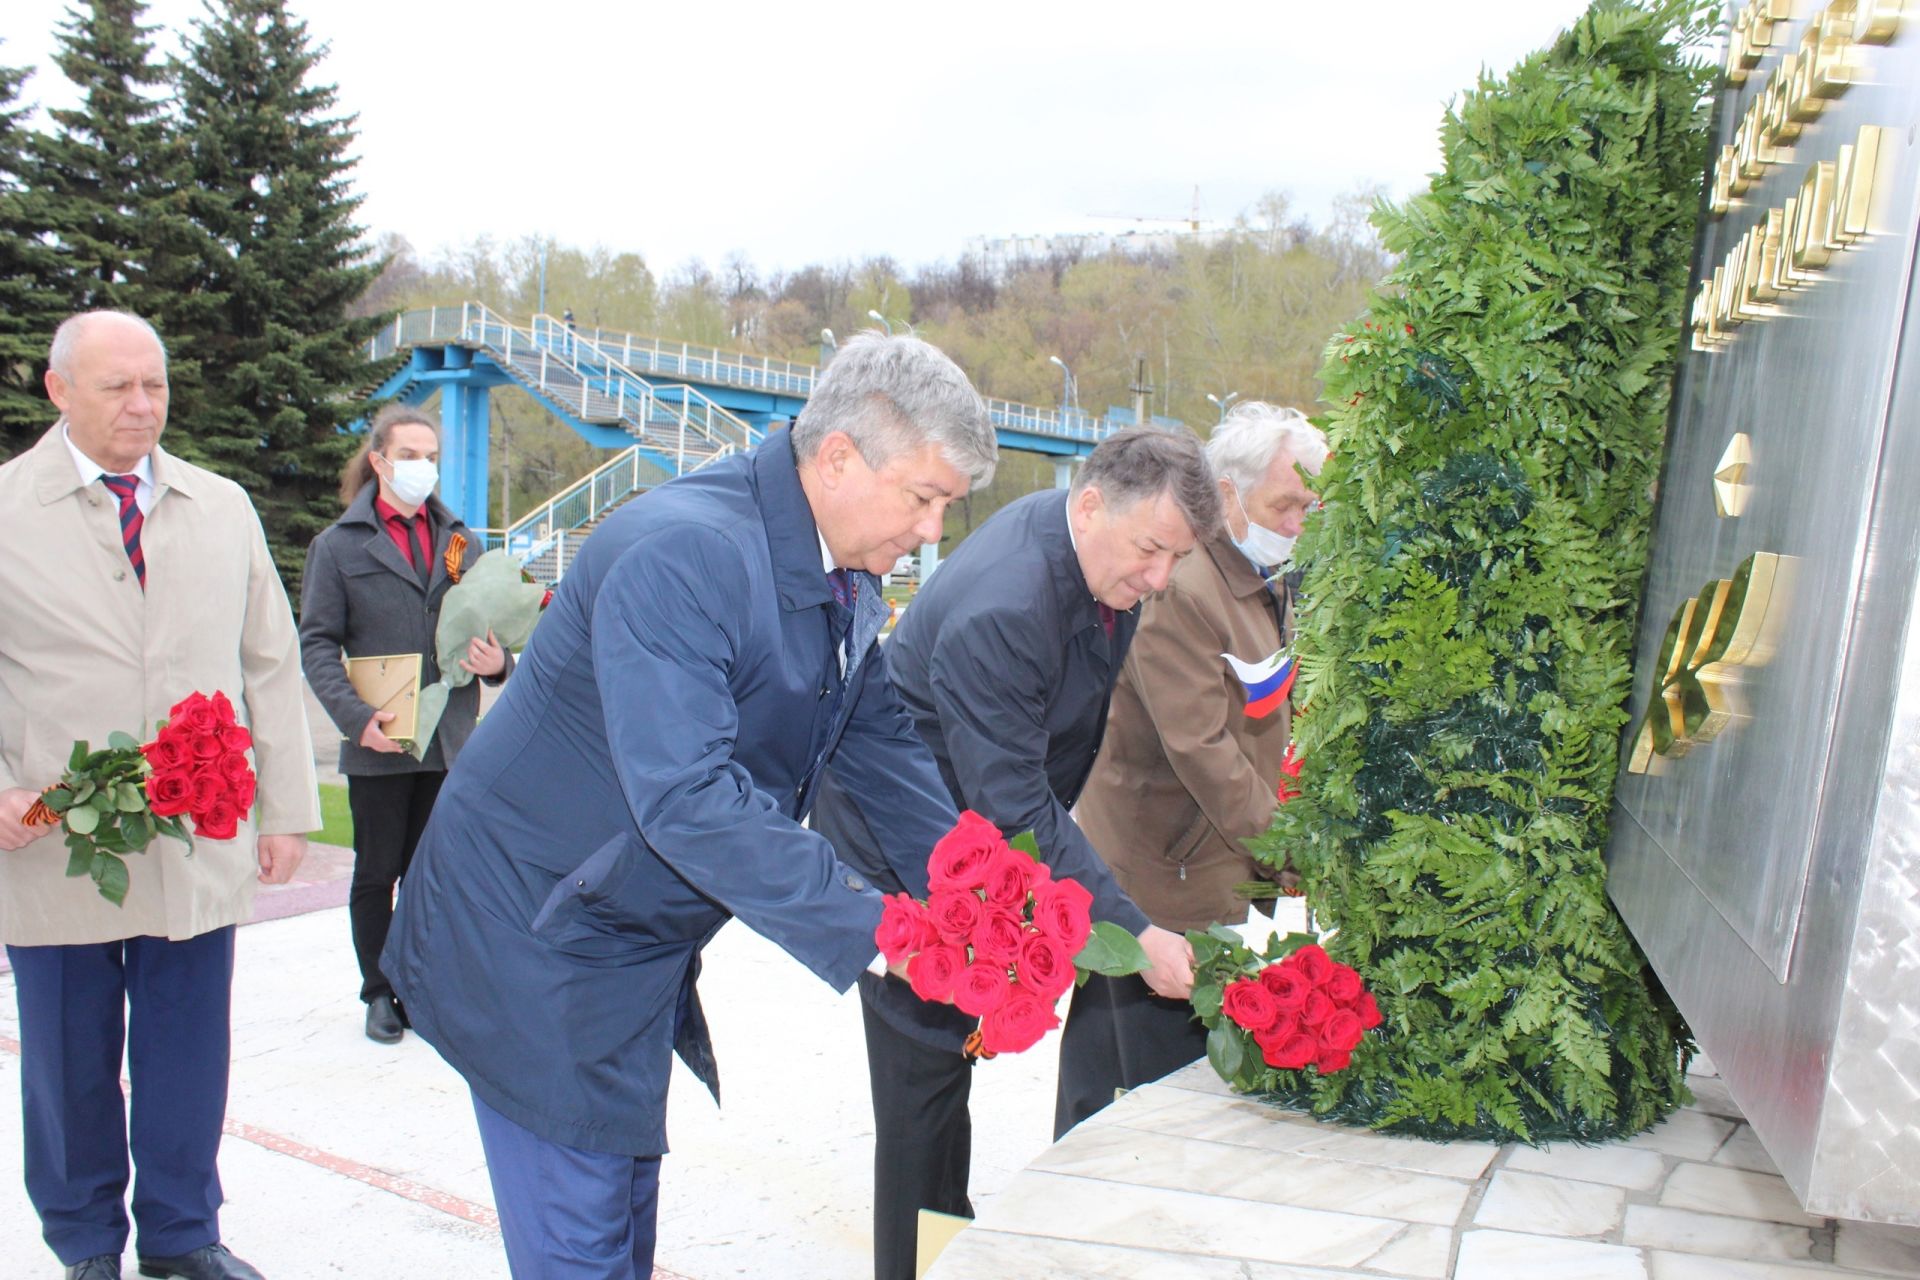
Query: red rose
166	753
903	929
961	859
1284	1029
1331	1060
233	766
1046	967
235	737
1367	1011
196	713
1342	1031
955	913
219	822
1318	1009
207	747
932	972
1018	1023
1314	963
222	709
1062	910
169	794
1288	986
1292	1053
981	989
998	937
1344	987
1009	879
208	789
1248	1002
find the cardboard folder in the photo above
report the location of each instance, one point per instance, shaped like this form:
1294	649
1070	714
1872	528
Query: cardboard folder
390	683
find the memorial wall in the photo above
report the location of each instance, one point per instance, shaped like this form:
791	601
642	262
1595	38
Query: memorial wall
1766	840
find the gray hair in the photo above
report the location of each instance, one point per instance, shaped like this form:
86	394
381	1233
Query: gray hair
74	327
1243	446
893	395
1142	463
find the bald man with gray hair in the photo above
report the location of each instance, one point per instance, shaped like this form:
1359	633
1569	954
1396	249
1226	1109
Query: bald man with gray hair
135	579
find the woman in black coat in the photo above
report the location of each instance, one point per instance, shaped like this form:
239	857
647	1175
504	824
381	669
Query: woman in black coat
373	586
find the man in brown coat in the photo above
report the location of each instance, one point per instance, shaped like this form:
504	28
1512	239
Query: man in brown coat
1185	776
133	579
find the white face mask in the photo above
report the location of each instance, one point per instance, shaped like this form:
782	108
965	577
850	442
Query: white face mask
413	480
1262	545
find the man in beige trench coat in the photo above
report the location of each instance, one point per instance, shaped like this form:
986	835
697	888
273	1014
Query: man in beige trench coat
132	579
1185	776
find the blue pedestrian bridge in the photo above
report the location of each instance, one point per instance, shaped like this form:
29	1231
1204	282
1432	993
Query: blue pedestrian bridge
661	408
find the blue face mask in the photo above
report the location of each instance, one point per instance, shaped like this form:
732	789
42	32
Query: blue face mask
1267	549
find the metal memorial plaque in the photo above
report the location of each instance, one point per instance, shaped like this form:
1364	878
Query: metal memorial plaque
1771	780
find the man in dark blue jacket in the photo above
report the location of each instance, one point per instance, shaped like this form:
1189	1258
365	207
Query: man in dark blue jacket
643	778
1006	661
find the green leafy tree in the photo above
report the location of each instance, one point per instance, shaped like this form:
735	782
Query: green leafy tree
1471	597
281	351
34	292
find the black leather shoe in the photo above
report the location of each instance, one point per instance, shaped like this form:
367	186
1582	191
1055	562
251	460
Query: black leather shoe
208	1262
383	1021
104	1267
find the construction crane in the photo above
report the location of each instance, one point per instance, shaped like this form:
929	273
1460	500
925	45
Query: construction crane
1192	218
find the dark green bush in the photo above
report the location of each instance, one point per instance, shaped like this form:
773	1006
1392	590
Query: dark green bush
1472	592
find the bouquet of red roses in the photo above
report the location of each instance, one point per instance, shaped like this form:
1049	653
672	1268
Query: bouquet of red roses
1287	1008
114	801
999	936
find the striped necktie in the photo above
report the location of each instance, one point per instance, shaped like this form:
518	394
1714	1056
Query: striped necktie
125	488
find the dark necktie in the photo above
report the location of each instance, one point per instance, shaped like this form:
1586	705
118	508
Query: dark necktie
125	488
1106	619
846	592
408	527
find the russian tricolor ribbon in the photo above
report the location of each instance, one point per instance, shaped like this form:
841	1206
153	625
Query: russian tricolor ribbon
1268	683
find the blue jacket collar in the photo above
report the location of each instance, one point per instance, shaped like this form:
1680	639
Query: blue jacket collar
793	541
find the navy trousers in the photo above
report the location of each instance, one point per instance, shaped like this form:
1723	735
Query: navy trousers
167	1005
568	1214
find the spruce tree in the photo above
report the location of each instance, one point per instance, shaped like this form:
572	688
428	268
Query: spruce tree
280	353
34	294
109	186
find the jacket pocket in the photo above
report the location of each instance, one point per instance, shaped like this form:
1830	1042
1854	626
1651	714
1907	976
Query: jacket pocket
1188	843
622	900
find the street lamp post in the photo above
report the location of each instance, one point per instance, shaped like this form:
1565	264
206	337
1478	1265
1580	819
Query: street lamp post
1066	386
1222	402
827	347
884	322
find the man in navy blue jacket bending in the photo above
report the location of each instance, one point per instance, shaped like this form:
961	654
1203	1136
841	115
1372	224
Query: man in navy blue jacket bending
644	776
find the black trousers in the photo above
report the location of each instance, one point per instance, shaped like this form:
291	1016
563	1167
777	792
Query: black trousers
1119	1035
390	810
922	1139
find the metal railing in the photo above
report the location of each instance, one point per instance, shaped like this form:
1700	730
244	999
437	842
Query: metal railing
549	530
629	354
582	376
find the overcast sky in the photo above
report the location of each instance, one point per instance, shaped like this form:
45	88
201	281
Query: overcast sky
805	132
